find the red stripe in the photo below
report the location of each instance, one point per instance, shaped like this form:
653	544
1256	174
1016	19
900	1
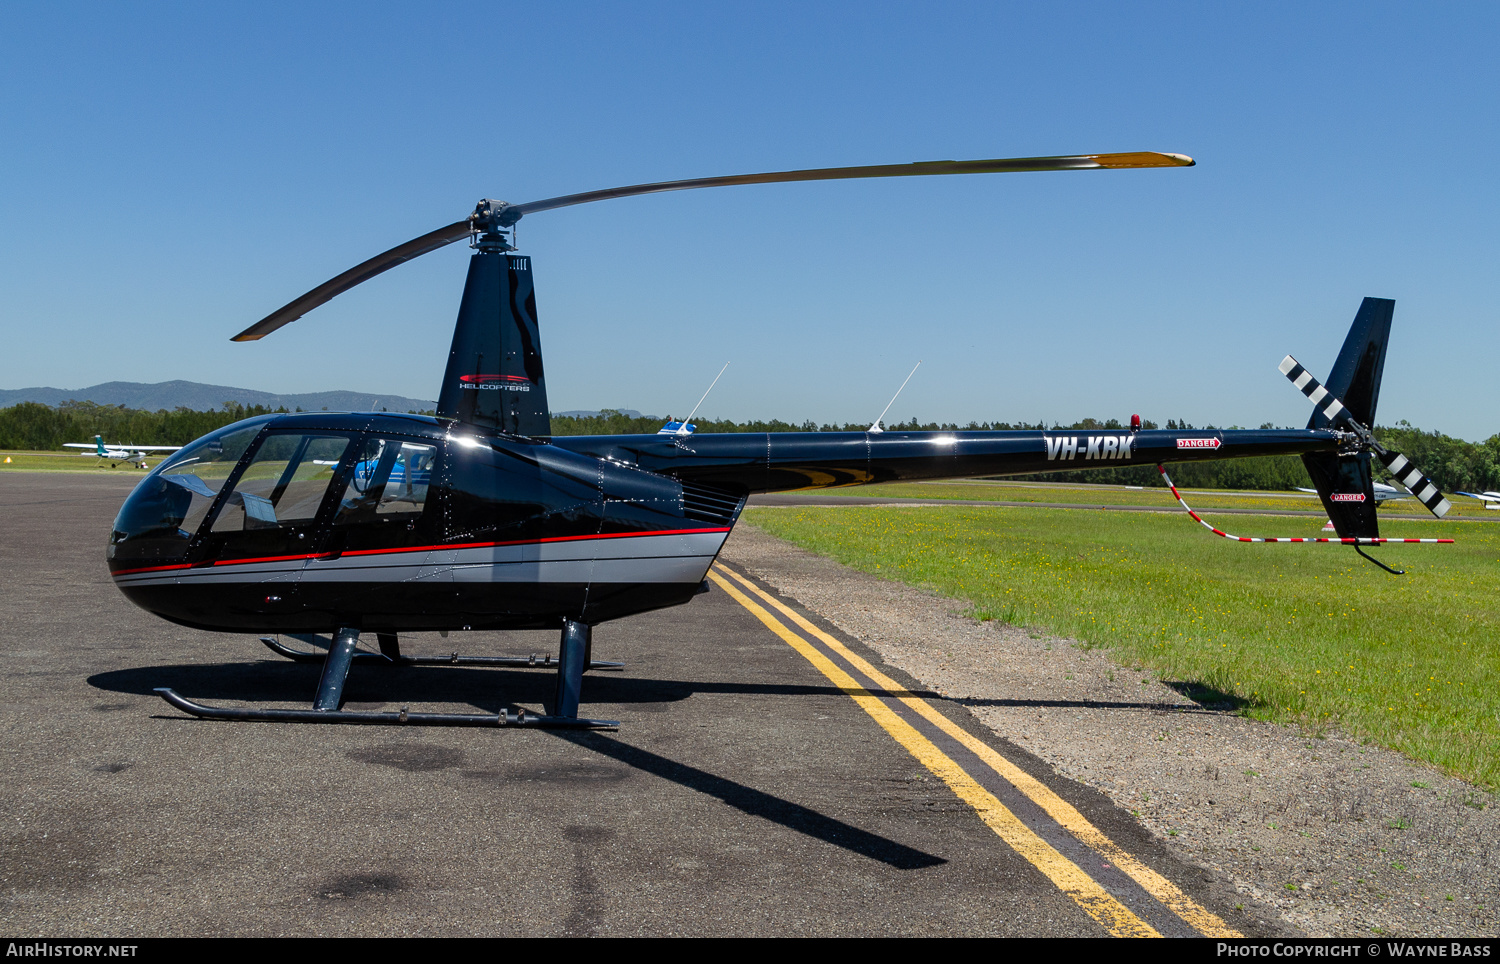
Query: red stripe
126	572
462	545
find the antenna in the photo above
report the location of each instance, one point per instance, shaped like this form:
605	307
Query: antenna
875	427
705	394
685	427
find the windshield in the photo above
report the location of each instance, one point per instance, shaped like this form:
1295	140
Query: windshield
166	508
224	446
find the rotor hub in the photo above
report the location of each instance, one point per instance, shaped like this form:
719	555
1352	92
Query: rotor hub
488	225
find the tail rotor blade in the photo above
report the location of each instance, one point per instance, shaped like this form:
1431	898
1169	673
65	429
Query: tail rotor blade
1397	464
1420	485
1332	408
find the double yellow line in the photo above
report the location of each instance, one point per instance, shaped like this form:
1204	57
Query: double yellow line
1091	896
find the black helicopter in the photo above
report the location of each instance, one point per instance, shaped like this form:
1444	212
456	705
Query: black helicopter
478	518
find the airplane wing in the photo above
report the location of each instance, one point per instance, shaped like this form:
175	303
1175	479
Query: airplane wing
1491	500
116	447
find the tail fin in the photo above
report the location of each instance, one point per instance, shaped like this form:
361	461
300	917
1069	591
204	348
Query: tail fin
1355	377
1345	483
99	446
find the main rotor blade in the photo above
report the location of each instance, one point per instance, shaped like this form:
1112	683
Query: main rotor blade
1075	162
361	272
462	229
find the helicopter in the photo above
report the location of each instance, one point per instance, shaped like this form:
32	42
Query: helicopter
479	518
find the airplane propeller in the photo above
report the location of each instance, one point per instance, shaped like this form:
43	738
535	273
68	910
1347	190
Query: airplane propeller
491	217
1426	491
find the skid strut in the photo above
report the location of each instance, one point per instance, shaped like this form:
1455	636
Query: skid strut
572	660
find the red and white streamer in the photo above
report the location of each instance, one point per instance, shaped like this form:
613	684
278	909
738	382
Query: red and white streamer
1336	542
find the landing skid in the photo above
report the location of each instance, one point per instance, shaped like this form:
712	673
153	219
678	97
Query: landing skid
571	662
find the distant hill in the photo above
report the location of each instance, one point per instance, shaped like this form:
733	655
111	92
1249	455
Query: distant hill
207	398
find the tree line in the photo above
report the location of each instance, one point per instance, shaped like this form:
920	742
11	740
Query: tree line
31	425
1453	464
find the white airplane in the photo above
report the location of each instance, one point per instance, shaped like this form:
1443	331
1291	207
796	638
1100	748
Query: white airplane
120	453
1383	492
1491	500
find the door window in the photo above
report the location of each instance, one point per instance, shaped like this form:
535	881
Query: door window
389	481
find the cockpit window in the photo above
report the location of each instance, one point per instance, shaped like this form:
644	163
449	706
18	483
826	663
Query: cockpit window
284	483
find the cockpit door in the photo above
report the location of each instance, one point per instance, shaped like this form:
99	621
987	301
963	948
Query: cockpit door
271	519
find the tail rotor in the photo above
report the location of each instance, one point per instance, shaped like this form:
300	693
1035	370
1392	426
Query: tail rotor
1332	408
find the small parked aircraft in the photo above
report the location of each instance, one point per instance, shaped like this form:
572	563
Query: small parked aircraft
120	453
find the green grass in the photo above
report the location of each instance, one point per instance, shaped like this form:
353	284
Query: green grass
1307	634
986	490
66	462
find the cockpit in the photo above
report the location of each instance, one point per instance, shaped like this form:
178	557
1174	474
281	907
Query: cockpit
261	487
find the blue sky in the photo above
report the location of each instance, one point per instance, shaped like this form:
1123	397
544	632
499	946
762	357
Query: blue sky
172	173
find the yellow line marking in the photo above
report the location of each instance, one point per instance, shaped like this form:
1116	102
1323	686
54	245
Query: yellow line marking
1097	902
1202	919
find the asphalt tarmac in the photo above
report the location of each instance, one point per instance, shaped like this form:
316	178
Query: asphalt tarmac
746	792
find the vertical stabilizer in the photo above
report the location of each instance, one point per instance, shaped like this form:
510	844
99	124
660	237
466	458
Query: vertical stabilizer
1344	482
494	379
1355	378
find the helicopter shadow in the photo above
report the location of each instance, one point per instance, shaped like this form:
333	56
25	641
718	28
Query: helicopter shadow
1156	707
757	803
488	689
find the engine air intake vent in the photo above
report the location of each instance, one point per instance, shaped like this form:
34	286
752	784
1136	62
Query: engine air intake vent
714	506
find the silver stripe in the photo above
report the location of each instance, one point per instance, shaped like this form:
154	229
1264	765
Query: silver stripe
659	558
1442	508
1334	407
1428	492
1411	479
1318	394
652	569
1396	464
1287	364
689	569
1302	380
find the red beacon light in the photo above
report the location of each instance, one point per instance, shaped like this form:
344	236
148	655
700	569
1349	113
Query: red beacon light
1135	423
